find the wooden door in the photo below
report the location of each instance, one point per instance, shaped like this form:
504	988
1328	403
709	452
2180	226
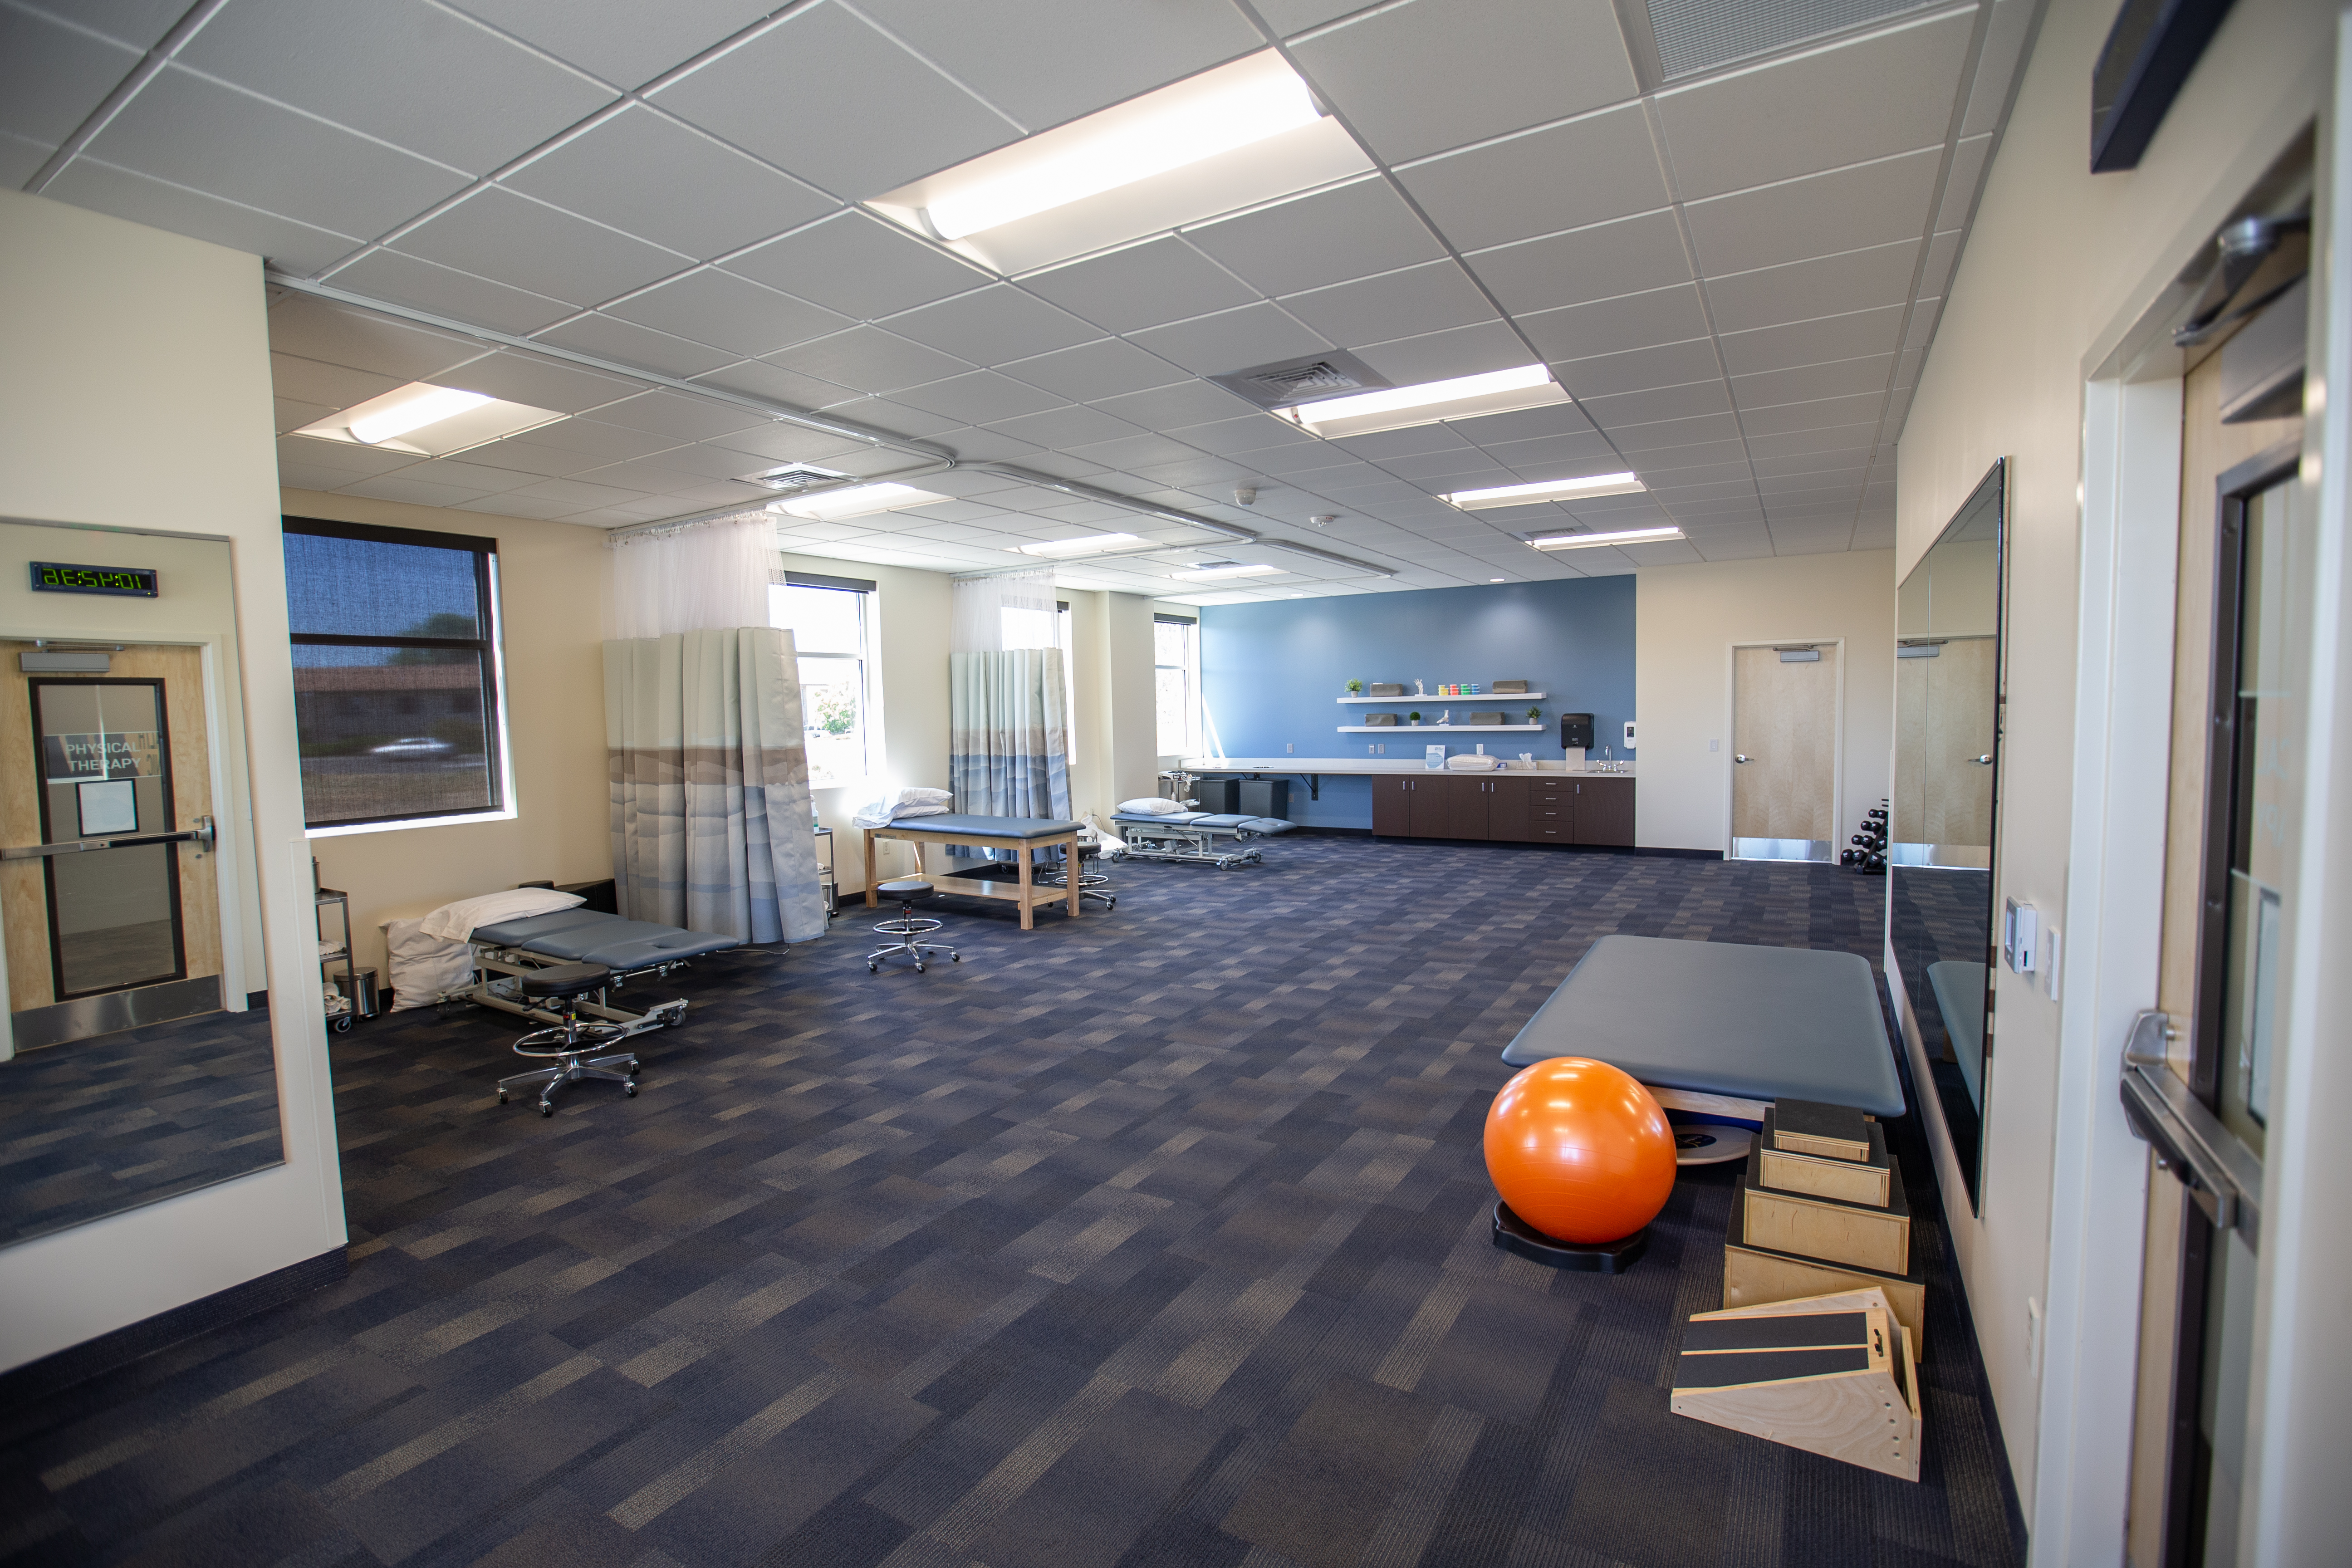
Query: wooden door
1466	807
1392	806
1428	807
1604	811
1784	745
90	758
1507	809
1956	750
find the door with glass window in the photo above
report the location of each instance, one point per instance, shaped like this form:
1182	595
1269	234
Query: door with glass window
107	887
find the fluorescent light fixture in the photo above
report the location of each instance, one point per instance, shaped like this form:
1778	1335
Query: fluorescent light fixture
1585	489
1092	544
1622	536
1251	100
859	500
428	421
1397	407
1222	569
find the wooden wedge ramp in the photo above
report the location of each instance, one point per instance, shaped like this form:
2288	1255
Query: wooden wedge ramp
1832	1374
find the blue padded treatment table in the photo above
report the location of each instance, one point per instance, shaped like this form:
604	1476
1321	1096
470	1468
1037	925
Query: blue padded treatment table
1190	837
1724	1029
1015	833
584	936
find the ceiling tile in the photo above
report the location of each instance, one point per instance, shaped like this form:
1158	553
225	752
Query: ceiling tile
53	76
1166	407
496	234
1819	415
539	384
1383	445
1586	172
406	487
628	46
401	70
977	396
333	334
1850	336
445	291
1064	428
896	417
1230	340
1825	461
333	385
1653	404
1961	184
759	379
870	360
1135	453
646	174
1855	280
1145	285
1425	298
1352	231
908	119
1616	326
1245	438
1866	97
859	265
992	325
1090	371
1671	364
597	438
530	458
1822	215
1431	74
1997	58
629	343
1441	356
1103	51
676	414
1522	424
727	313
1843	378
121	192
781	443
1604	262
21	159
464	473
1942	251
1556	456
1797	443
1846	482
1924	316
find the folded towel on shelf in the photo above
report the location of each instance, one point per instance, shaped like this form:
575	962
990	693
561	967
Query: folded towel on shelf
1477	764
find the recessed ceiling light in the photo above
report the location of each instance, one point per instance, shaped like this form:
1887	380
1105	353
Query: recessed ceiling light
859	500
1548	489
1246	103
1622	536
1397	407
1498	579
435	420
1225	569
1092	544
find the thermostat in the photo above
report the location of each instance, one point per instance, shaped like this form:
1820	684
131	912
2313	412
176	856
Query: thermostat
2021	931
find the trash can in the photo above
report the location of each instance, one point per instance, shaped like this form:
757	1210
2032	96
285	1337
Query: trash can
1265	797
366	1002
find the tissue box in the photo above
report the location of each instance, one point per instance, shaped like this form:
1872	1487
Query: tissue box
1486	719
1379	718
1509	688
1384	689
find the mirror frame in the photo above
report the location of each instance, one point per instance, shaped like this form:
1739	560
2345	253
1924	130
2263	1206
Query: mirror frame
1964	1123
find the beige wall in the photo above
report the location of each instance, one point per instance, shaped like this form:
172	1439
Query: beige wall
2058	262
1133	696
134	392
551	585
1685	620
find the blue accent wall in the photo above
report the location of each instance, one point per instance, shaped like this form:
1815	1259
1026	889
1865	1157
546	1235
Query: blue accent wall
1271	672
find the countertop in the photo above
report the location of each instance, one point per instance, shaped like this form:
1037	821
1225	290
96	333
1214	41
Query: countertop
1326	765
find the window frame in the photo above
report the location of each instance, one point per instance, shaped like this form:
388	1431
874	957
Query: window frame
869	706
491	649
1191	669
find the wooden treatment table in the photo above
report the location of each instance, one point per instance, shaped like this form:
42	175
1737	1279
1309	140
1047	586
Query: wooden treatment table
1022	833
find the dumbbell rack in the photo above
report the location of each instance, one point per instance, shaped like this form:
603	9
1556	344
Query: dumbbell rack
1866	850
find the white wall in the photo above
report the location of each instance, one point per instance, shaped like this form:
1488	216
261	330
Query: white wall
134	391
2059	262
1685	620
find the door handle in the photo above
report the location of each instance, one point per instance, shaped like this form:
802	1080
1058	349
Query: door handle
201	836
1741	757
1985	760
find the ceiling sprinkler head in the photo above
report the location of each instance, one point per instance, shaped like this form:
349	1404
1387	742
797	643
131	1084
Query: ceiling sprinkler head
1245	496
1324	519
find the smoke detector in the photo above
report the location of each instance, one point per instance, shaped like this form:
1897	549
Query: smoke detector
1324	519
1245	496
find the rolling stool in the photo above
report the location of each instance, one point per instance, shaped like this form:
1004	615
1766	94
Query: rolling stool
568	1041
1091	884
908	926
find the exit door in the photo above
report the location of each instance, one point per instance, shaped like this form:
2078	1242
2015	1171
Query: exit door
108	893
1784	752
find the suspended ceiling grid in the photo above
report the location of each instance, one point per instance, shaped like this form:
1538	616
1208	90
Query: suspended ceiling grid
1737	272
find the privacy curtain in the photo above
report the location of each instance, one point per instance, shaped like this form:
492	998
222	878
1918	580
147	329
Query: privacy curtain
1008	743
706	577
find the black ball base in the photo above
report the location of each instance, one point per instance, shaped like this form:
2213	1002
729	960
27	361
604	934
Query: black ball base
1517	1235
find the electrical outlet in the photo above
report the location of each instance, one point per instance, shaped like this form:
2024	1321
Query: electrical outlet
1714	745
2050	961
1289	749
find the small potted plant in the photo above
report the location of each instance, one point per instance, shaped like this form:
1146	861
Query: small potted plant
1355	688
1414	716
1535	715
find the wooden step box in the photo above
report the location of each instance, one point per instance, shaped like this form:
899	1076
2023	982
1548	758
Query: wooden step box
1832	1374
1867	1236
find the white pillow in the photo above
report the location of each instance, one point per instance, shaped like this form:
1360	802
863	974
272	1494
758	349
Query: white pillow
457	921
940	808
917	795
1152	806
423	968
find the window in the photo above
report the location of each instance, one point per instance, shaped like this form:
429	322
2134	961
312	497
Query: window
1176	675
396	675
826	616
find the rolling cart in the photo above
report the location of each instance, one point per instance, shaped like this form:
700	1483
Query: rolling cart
342	1009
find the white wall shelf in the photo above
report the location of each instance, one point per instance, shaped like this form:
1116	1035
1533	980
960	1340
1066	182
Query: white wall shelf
1481	697
1441	729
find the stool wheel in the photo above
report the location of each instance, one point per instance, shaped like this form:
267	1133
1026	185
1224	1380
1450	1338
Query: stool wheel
955	958
545	1110
630	1088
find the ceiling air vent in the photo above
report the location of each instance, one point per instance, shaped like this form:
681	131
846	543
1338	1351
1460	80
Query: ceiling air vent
1287	383
797	476
1697	36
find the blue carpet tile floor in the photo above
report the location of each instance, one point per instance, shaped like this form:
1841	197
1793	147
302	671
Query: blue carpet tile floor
1155	1238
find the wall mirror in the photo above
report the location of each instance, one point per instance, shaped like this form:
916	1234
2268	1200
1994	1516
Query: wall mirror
1945	812
131	1070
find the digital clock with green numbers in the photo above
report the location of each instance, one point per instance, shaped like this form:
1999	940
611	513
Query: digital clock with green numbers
58	577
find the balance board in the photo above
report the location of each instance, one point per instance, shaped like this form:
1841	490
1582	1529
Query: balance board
1723	1029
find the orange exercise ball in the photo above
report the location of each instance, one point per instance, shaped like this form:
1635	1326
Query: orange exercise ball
1580	1151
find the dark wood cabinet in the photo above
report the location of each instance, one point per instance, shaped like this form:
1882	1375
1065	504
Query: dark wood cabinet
1547	809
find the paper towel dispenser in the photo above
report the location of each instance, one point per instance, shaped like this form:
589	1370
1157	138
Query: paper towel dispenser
1576	731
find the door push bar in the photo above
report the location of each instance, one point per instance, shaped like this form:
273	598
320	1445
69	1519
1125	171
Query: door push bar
201	836
2222	1176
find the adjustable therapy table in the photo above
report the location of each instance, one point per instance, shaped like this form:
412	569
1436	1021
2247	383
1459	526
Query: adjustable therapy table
1719	1031
631	950
1018	833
